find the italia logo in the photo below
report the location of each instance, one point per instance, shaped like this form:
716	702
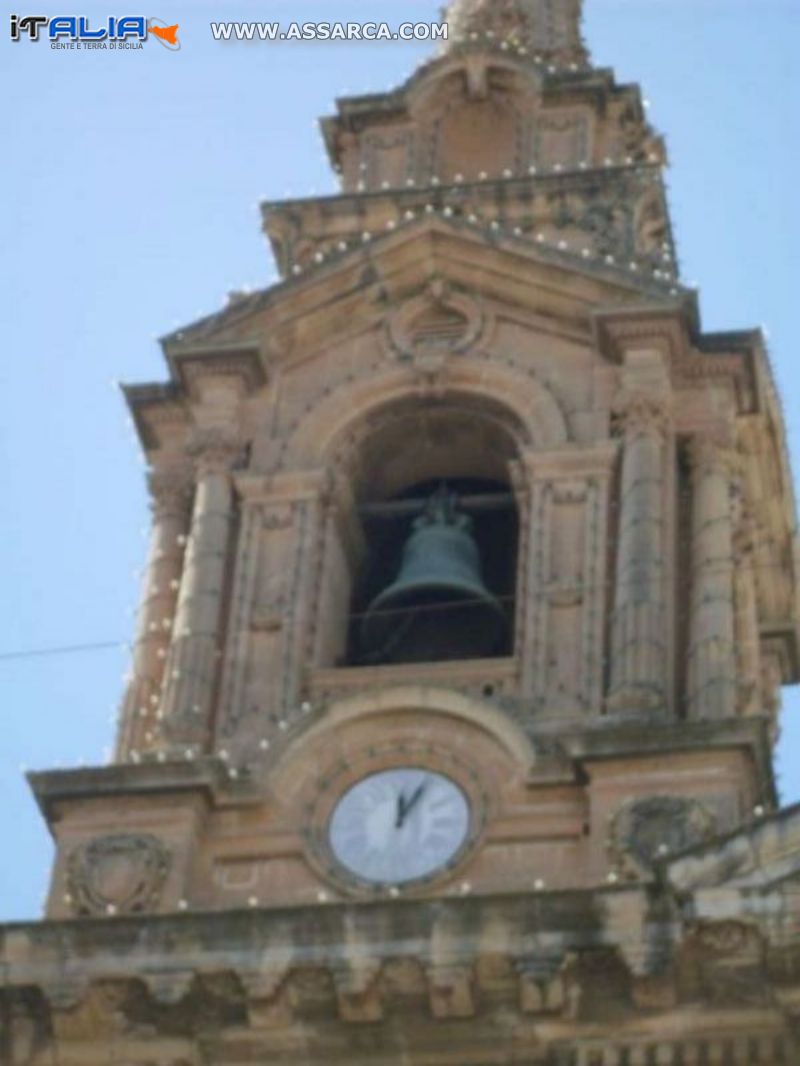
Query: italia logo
77	30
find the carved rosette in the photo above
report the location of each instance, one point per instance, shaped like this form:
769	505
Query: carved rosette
646	830
124	874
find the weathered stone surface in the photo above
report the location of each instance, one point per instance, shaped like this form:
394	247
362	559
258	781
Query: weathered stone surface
492	302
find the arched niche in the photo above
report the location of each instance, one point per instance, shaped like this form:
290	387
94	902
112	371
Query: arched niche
389	462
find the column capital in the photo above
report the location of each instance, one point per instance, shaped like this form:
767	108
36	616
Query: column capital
641	412
216	449
712	454
171	489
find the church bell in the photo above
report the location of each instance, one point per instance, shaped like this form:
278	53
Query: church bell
438	607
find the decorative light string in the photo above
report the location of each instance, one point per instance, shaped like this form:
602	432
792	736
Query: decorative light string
723	566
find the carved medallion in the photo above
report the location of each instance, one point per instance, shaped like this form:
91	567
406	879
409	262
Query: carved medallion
645	830
438	323
124	873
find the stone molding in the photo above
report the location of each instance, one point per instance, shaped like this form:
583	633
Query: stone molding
337	420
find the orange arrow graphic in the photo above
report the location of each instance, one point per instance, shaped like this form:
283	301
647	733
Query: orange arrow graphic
166	33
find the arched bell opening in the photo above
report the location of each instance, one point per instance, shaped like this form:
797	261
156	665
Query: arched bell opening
437	573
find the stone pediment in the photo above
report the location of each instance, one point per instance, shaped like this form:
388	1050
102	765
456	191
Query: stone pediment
348	293
430	290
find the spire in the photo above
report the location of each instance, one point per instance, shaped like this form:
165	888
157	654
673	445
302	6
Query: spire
548	28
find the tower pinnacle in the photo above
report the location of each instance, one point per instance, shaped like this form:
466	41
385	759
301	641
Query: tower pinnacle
547	27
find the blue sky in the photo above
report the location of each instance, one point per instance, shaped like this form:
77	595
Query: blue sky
131	182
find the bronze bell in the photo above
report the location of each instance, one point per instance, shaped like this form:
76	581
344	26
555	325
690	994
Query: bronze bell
438	607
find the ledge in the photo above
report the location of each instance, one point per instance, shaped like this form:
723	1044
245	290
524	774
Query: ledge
51	787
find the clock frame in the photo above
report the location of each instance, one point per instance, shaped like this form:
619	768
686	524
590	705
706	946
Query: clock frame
342	774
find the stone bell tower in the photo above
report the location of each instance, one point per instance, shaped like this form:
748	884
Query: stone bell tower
473	583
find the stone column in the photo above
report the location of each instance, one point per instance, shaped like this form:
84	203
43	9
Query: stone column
193	661
171	496
639	647
711	684
745	591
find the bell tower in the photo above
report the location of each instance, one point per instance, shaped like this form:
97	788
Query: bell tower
472	586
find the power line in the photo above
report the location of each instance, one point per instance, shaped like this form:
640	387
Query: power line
64	649
723	566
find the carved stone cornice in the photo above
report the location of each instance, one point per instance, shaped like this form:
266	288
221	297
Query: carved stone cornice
665	329
568	976
587	218
192	365
157	412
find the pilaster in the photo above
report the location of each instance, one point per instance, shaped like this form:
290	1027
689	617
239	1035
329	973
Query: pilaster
563	498
274	610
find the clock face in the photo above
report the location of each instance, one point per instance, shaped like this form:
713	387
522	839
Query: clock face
399	825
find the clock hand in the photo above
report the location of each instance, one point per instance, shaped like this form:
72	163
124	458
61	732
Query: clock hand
403	808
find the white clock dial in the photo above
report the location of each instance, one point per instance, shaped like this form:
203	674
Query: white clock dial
399	825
